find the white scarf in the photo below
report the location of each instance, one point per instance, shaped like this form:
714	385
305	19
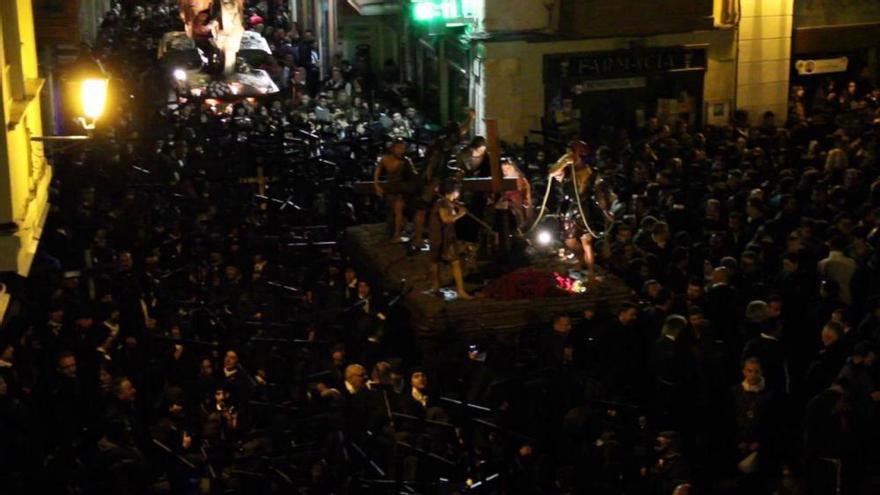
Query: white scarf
759	387
420	397
350	388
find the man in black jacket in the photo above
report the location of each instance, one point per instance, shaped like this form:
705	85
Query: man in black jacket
830	360
557	344
831	440
768	349
363	410
722	305
624	360
673	370
756	424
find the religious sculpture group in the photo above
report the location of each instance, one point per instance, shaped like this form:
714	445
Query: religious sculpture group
216	24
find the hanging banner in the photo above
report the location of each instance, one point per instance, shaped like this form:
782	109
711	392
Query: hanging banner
821	66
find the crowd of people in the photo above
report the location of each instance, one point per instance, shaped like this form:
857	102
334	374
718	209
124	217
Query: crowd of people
191	324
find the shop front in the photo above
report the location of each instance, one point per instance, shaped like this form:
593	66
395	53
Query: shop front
623	88
835	42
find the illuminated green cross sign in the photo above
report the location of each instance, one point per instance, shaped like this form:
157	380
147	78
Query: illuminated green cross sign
442	10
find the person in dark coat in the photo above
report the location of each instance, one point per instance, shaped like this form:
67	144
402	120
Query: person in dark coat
417	400
65	416
830	360
671	468
362	410
653	317
831	440
755	420
672	367
205	382
557	345
722	304
625	356
858	371
768	349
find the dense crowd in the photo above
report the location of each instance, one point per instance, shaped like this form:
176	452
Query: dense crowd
191	325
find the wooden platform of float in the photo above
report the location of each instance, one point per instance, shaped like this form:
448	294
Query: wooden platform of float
373	254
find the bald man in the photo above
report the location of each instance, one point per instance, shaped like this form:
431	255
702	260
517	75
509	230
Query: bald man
355	378
364	408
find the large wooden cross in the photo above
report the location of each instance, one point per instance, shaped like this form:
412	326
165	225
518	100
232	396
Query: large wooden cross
261	181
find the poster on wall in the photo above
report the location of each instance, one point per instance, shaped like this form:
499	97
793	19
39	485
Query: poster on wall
667	110
717	112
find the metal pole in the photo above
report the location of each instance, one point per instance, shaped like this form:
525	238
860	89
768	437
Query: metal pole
443	68
319	38
406	50
494	148
332	35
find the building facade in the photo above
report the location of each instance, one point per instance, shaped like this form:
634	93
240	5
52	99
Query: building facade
24	174
835	42
575	66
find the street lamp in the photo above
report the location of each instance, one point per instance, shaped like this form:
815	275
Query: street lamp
92	89
89	77
93	96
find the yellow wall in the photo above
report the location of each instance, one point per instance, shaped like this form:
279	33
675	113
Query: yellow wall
764	58
27	39
513	89
24	173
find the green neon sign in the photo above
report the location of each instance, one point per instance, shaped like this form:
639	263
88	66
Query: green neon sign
438	10
424	11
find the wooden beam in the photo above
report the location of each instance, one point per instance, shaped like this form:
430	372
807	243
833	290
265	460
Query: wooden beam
494	148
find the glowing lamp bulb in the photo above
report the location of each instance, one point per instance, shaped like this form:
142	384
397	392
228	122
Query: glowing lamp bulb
544	238
180	75
94	97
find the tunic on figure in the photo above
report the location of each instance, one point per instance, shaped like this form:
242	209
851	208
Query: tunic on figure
444	244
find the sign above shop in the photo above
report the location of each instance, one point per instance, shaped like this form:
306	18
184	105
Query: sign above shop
821	66
623	63
612	84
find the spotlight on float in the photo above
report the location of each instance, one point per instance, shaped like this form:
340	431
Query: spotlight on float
545	237
179	75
